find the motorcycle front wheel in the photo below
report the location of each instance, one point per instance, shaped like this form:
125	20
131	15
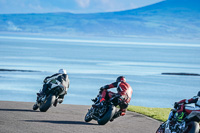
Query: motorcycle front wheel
88	117
192	127
47	103
35	107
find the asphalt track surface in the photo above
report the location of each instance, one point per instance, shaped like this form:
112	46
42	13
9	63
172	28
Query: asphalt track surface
18	117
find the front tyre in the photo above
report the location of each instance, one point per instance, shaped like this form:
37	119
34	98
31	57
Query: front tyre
192	127
88	117
35	107
107	116
161	129
47	103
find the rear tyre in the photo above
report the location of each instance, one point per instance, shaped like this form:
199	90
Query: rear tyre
48	103
35	107
107	116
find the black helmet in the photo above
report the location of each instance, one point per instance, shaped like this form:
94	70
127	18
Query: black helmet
121	78
198	94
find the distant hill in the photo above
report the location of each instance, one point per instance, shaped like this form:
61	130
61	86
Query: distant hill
169	19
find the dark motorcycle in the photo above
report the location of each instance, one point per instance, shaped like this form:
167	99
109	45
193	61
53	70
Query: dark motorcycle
46	101
106	112
184	122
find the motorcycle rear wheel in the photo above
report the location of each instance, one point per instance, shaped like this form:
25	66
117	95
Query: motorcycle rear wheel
107	116
48	103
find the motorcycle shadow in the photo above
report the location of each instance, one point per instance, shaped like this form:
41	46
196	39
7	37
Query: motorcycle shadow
19	110
62	122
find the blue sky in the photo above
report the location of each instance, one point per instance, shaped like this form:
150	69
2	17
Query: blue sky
73	6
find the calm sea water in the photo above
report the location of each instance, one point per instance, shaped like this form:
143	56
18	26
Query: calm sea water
94	63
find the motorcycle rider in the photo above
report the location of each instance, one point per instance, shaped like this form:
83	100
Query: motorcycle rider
195	100
124	90
59	79
181	116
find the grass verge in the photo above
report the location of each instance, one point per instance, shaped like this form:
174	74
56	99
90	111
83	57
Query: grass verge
160	114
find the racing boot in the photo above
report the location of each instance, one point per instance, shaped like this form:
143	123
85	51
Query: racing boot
115	116
121	112
59	100
55	103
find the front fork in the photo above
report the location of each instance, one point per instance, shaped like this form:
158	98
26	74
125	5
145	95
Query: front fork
91	113
40	100
94	113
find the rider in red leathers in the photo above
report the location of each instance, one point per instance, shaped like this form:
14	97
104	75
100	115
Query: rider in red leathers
187	109
123	89
184	117
195	99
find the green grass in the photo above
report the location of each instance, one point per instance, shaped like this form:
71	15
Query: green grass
160	114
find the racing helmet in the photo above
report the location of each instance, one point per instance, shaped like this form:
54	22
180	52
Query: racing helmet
198	94
120	79
62	71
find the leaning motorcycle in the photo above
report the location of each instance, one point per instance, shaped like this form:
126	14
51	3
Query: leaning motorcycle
46	101
181	122
104	113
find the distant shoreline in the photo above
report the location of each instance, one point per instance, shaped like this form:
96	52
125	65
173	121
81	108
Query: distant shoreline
15	70
185	74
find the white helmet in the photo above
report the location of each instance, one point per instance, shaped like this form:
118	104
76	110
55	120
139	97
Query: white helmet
62	71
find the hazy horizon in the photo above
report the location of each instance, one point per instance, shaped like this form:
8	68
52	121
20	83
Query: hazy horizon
71	6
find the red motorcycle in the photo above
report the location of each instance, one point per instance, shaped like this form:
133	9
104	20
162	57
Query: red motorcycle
105	113
186	121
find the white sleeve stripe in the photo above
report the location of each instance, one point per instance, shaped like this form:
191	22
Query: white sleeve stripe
118	84
120	89
186	101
